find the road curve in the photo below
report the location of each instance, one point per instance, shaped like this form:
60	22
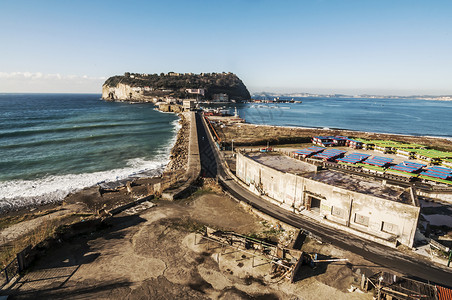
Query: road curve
410	265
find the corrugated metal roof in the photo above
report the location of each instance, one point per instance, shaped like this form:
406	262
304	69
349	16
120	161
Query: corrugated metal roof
407	166
444	293
354	158
378	161
309	150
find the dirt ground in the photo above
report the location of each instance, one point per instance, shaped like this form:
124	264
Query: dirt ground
248	134
14	231
154	254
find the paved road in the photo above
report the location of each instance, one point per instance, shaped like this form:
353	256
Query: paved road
208	161
414	267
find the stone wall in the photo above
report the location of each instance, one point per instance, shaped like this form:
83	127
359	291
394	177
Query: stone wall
389	220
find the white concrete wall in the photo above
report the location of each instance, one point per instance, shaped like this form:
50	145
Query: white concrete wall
294	191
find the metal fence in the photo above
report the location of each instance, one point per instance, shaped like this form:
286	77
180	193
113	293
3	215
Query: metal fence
8	272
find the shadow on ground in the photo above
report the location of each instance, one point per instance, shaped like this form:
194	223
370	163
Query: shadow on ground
49	276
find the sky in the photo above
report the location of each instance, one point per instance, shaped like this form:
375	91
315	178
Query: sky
354	47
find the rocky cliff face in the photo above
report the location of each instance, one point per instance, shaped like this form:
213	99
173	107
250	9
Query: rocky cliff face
123	92
152	87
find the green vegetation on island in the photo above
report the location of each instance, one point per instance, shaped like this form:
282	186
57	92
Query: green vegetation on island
179	85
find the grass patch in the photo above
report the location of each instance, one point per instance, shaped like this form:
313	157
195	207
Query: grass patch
270	234
186	224
208	186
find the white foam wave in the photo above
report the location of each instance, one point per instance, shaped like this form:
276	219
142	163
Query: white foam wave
21	193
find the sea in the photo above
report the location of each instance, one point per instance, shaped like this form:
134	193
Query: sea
395	116
55	144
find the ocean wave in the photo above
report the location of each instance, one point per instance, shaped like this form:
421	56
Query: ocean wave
53	130
21	193
11	144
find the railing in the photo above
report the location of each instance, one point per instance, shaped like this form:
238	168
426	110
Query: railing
8	272
213	129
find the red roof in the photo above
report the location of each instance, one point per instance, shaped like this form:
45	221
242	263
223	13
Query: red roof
444	293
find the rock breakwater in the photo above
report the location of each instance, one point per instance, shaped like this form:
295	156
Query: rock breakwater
179	153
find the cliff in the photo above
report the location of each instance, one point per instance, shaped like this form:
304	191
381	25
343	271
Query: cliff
152	87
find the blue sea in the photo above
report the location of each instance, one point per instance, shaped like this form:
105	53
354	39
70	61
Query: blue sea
397	116
54	144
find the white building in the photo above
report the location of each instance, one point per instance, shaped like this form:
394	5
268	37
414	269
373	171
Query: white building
189	104
365	207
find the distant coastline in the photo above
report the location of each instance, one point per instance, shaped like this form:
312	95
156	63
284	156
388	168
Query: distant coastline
363	96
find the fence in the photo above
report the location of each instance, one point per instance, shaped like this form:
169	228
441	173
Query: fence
8	272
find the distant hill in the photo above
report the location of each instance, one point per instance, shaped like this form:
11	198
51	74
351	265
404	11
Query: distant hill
270	95
132	86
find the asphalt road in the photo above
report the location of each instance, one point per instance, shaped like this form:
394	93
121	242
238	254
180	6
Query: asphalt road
410	265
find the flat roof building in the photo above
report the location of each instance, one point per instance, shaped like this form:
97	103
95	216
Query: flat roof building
367	207
189	104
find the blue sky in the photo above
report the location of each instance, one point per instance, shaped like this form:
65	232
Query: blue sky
353	47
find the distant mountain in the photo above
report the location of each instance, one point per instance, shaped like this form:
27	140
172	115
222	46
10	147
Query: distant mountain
133	86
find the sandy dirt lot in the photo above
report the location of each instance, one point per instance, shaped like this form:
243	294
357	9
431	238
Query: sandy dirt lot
248	134
152	254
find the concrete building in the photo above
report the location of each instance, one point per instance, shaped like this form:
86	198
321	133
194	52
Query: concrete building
220	97
196	91
189	104
447	163
407	153
366	207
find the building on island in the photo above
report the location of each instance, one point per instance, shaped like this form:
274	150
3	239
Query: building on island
367	207
196	91
220	97
189	104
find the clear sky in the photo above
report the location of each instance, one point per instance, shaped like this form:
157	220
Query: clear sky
343	46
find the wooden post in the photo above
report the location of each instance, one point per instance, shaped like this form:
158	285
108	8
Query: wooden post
363	282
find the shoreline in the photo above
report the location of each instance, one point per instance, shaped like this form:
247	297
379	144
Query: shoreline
172	163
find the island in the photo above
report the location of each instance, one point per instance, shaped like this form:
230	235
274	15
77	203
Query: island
217	87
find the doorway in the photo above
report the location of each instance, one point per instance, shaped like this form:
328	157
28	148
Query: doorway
314	204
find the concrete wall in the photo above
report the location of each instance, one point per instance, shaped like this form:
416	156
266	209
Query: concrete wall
389	220
444	196
194	163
